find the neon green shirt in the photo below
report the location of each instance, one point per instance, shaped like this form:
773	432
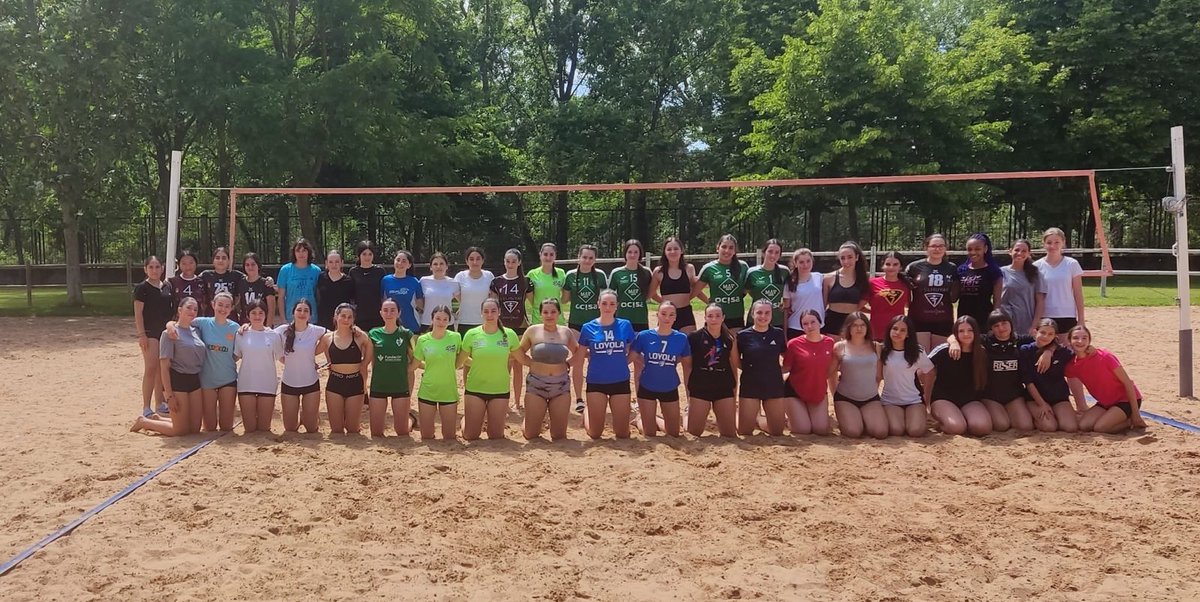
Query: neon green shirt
762	284
585	295
632	286
439	382
546	286
489	359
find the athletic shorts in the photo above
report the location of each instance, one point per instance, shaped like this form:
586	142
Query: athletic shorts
788	391
1007	395
548	386
226	385
387	394
287	389
346	385
184	383
621	388
837	396
684	318
257	393
641	327
941	329
708	388
154	334
961	402
834	320
765	387
1065	324
487	397
1125	407
659	396
735	322
436	403
463	328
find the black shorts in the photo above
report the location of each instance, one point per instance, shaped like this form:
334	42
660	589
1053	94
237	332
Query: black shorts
941	328
227	385
834	320
346	385
1126	407
463	328
684	317
837	396
961	402
387	394
621	388
184	383
735	322
1065	324
487	397
287	389
793	333
659	396
1006	395
436	403
155	333
767	386
641	327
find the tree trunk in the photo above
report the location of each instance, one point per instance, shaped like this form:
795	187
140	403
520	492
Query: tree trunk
814	228
70	221
641	220
529	244
562	221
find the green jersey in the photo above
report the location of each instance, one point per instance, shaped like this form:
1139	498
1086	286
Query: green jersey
769	285
726	289
389	369
489	359
439	382
546	286
632	286
585	295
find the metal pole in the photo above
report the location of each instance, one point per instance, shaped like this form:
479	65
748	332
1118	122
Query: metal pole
233	198
173	215
1182	279
28	284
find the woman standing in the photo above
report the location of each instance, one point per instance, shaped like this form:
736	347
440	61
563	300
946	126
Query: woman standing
1060	285
349	353
513	290
608	342
889	297
391	372
658	352
725	278
334	288
438	289
221	279
1118	401
980	280
712	375
260	350
368	286
298	280
761	347
188	284
766	281
300	389
546	279
902	361
632	283
437	397
489	348
845	288
546	349
581	289
935	288
153	306
673	281
405	290
256	288
1019	285
474	285
805	291
1049	398
181	360
955	392
808	362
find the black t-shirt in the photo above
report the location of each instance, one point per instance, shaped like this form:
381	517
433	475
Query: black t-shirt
760	353
368	295
252	292
158	306
710	359
1004	371
229	282
194	288
955	378
976	286
934	290
511	295
330	294
1051	384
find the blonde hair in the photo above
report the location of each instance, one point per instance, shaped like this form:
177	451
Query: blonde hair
1054	232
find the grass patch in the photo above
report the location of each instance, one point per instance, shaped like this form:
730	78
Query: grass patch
116	300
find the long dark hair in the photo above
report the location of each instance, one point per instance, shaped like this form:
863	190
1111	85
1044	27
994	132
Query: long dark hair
912	349
902	276
303	242
1030	270
793	271
779	274
979	355
726	336
860	265
853	317
289	339
643	275
735	267
662	259
179	261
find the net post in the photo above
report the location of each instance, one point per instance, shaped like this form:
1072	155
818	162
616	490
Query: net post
871	266
1182	263
233	196
1104	286
173	214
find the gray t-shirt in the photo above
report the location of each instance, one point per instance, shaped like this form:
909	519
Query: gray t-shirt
186	353
1016	299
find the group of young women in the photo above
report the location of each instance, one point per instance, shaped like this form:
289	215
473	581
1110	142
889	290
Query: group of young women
1013	355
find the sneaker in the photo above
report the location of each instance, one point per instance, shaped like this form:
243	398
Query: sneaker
163	409
146	413
579	406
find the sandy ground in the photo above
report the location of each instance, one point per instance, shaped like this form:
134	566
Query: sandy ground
267	517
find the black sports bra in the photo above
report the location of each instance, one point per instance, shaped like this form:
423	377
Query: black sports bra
350	355
675	286
841	294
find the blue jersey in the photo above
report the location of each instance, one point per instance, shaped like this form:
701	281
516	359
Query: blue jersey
405	292
608	349
661	354
219	368
299	283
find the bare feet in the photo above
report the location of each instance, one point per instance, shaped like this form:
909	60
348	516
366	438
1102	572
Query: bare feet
137	425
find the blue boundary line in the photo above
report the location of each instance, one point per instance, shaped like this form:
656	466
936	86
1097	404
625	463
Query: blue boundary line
71	526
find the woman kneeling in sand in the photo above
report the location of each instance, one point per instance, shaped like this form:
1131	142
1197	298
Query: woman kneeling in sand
1118	400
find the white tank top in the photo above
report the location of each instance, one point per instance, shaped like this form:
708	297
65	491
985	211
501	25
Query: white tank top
808	295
